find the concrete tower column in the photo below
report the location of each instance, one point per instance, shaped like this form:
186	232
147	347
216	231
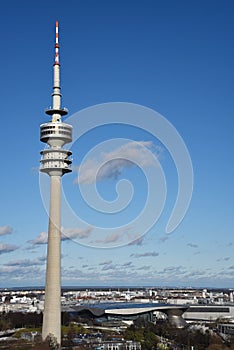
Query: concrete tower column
52	308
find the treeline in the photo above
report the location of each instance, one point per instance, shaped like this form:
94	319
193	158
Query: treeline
150	335
11	320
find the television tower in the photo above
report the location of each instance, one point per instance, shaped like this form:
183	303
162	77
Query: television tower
55	161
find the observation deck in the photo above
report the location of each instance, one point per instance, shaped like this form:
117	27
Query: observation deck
56	161
59	111
56	134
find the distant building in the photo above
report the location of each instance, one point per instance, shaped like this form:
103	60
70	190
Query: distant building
209	312
124	345
226	328
131	311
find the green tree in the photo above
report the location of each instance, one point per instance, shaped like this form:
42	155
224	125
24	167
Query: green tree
150	340
145	335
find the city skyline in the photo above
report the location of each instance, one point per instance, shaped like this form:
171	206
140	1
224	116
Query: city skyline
176	59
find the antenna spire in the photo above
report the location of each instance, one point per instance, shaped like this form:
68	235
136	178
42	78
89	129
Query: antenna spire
56	111
56	93
56	60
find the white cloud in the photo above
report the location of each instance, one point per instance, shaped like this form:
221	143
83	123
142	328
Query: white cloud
113	237
143	255
223	259
138	241
27	262
127	264
144	268
192	245
164	238
173	270
109	267
42	238
196	273
5	230
66	234
72	233
111	165
108	262
121	235
21	275
7	248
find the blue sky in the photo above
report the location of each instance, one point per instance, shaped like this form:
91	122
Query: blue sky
172	57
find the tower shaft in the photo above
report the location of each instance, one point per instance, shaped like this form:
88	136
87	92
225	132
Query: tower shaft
52	306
